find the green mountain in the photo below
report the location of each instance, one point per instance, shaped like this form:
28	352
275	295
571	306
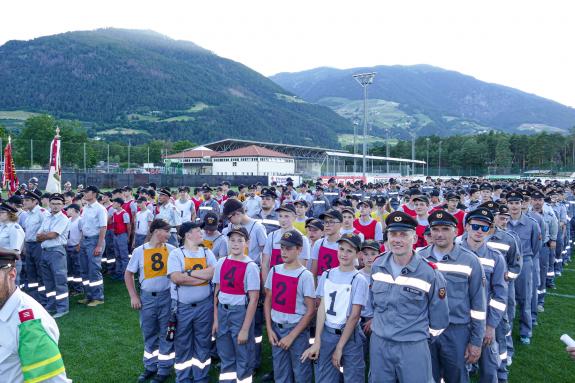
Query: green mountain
146	85
428	100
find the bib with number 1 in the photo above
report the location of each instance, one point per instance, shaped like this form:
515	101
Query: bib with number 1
196	264
336	298
155	262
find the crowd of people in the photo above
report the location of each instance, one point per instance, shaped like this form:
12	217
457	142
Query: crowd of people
340	277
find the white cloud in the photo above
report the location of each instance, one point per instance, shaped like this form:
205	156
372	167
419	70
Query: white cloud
522	44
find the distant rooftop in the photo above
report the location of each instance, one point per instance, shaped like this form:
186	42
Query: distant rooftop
252	151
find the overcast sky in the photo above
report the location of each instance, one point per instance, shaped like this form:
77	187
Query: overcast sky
529	45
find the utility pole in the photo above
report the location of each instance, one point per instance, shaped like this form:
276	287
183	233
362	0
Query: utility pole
355	124
427	161
84	158
108	158
387	149
364	79
31	154
129	148
439	161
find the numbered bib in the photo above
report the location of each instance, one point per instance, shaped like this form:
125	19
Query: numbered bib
196	264
155	262
326	259
284	293
336	299
232	277
208	244
276	258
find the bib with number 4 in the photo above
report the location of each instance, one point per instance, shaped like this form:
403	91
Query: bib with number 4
155	262
337	297
196	264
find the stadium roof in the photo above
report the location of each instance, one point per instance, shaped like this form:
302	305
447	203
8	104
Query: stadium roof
296	151
252	151
377	158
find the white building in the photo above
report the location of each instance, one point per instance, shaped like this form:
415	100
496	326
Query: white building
252	161
197	160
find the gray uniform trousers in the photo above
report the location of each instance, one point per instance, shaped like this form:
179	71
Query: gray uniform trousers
55	277
139	240
535	283
36	286
405	362
154	316
122	253
109	256
73	261
287	365
523	292
510	316
351	360
489	363
91	269
501	336
258	333
559	253
448	354
544	255
193	340
236	359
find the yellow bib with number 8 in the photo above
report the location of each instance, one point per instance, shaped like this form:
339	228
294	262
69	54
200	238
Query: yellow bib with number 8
196	264
155	262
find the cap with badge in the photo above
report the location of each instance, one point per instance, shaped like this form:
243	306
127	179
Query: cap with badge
331	214
5	207
453	196
210	222
514	195
537	195
302	202
291	238
267	192
15	200
492	206
165	191
421	198
486	186
287	207
57	197
91	188
503	210
380	200
349	210
186	227
315	223
370	244
7	260
441	218
479	214
400	221
352	239
240	231
206	188
32	195
366	203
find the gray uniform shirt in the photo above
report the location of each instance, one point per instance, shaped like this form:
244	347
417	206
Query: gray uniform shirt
11	236
136	265
529	235
176	262
305	288
94	216
258	237
33	222
57	223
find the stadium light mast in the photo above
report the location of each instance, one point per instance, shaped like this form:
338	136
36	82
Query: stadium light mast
355	124
364	79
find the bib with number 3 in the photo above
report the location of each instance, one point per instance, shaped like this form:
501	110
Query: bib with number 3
336	301
196	264
155	262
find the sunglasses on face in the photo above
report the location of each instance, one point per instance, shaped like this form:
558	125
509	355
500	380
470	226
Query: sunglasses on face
477	227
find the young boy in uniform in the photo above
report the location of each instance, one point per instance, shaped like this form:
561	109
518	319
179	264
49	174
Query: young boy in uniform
237	289
339	341
289	308
213	239
365	224
143	219
369	252
301	208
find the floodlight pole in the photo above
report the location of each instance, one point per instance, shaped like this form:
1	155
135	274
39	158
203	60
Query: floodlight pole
355	124
364	79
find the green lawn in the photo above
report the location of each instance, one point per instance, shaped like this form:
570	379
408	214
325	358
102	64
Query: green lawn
103	344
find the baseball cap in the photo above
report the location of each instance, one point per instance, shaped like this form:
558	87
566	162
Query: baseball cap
314	222
240	231
352	239
291	238
370	244
288	207
210	221
331	214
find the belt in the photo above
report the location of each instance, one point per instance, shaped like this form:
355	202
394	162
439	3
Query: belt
51	248
285	325
233	307
91	236
336	331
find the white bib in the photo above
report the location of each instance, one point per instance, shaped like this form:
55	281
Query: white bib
336	301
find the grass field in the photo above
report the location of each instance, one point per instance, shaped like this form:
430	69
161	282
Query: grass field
104	344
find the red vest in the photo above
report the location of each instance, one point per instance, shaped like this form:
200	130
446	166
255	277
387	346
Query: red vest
110	222
368	231
460	216
118	219
407	210
421	242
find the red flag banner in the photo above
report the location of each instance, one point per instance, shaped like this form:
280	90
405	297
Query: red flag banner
9	178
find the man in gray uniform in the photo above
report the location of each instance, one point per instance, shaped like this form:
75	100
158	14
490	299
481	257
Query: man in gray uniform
477	229
549	245
561	214
332	192
167	211
529	235
267	215
461	342
320	203
33	249
410	306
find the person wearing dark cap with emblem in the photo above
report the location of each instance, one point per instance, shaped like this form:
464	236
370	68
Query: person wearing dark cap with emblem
11	236
208	204
190	270
34	219
30	335
461	342
53	235
342	291
168	212
561	214
237	290
93	223
474	198
486	191
289	311
324	251
478	228
213	239
33	185
529	234
410	307
319	203
332	192
267	214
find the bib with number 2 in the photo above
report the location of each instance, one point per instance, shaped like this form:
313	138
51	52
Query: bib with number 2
155	262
